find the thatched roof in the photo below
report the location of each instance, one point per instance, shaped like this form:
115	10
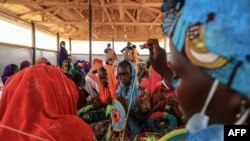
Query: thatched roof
122	20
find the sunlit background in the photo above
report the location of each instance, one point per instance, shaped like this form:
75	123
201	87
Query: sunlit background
15	34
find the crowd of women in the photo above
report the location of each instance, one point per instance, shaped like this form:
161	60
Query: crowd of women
201	87
108	99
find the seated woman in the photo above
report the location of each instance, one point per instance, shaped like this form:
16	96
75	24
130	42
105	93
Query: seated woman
160	110
91	86
39	103
108	85
43	61
92	80
143	75
164	101
127	94
95	113
79	81
152	80
24	64
128	83
83	65
9	70
211	63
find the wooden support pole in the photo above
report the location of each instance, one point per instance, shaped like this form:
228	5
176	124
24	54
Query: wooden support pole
90	33
33	34
58	46
70	47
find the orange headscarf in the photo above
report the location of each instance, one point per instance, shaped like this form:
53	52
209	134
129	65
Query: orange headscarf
97	64
39	103
110	91
152	81
41	61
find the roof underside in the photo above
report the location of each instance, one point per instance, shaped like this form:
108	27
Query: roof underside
121	20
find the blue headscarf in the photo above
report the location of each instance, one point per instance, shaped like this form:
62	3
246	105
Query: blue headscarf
211	133
133	88
225	36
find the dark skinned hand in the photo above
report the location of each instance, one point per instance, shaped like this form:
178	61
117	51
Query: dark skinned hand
158	58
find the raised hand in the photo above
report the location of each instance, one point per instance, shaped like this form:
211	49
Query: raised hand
158	58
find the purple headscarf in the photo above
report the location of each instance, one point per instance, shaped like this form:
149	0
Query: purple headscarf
63	54
8	71
24	64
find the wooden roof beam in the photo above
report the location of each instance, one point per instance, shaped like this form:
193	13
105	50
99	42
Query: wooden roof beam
52	14
130	16
139	11
69	14
156	19
80	14
99	23
77	2
53	3
149	13
128	23
155	10
60	20
138	14
124	28
76	34
121	11
107	14
50	9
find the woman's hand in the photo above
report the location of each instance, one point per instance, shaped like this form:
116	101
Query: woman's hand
158	58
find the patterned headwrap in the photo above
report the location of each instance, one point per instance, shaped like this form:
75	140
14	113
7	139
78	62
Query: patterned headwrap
214	35
133	84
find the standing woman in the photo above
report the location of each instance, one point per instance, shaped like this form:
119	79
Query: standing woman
110	55
39	103
63	59
136	56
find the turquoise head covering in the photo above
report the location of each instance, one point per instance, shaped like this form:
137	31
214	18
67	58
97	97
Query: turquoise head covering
212	133
214	35
133	87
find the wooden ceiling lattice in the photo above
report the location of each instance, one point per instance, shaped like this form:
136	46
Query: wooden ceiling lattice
121	20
